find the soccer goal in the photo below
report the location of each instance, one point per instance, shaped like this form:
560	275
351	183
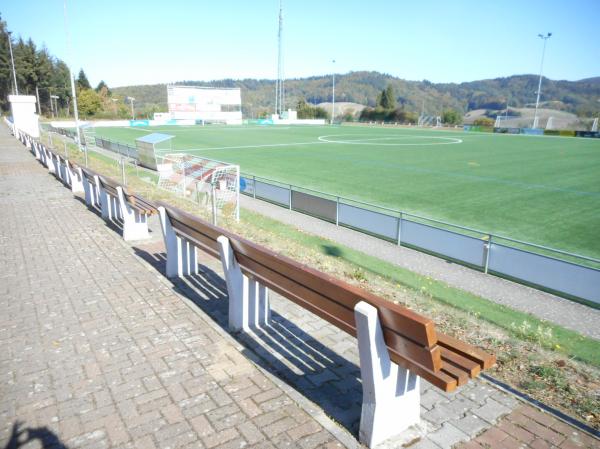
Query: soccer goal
212	184
430	120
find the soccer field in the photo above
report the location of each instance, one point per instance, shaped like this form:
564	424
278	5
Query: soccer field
541	189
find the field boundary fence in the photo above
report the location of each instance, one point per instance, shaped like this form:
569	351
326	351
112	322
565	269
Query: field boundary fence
116	147
567	274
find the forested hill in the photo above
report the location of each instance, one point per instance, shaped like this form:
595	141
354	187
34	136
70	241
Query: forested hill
581	97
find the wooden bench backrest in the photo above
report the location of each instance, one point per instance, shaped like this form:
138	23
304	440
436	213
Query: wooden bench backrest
110	185
138	202
411	339
89	174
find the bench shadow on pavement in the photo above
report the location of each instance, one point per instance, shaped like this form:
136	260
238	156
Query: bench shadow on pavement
20	437
284	349
115	225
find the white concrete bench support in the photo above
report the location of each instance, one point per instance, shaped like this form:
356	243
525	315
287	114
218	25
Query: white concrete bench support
109	205
391	395
63	172
75	179
181	255
50	163
135	224
88	189
36	150
248	300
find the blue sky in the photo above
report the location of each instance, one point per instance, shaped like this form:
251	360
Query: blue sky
142	42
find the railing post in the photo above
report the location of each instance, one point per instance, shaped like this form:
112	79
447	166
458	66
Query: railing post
487	248
254	186
290	199
123	171
399	230
337	211
213	200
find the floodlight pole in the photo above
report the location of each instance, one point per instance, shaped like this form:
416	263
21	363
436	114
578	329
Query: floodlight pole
279	87
539	91
12	60
131	100
73	91
333	93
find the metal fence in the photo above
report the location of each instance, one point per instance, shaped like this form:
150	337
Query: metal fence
117	147
558	271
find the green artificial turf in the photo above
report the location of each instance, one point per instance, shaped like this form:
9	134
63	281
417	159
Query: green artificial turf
541	189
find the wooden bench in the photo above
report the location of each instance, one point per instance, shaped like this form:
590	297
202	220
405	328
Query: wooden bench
392	339
117	203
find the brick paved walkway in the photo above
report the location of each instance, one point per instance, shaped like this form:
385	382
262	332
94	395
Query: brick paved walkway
103	351
98	351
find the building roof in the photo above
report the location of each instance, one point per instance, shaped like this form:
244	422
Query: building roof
154	138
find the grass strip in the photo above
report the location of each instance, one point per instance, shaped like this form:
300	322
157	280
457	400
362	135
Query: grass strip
519	324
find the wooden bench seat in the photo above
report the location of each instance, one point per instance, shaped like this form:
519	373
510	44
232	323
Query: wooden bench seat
139	203
412	339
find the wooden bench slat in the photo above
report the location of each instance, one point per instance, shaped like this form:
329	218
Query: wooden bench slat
467	365
439	379
203	242
484	359
143	205
462	377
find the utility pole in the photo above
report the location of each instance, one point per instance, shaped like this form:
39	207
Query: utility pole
539	91
12	60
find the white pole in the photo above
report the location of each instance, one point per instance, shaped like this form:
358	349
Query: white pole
131	100
37	95
73	91
333	94
539	91
12	59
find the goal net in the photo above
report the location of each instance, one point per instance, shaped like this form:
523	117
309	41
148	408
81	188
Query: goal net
212	184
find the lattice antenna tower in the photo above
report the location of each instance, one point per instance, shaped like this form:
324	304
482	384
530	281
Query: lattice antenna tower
280	85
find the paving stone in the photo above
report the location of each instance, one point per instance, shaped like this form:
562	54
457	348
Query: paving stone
447	436
491	410
472	425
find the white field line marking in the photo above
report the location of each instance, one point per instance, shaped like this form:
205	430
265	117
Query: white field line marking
448	140
255	146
